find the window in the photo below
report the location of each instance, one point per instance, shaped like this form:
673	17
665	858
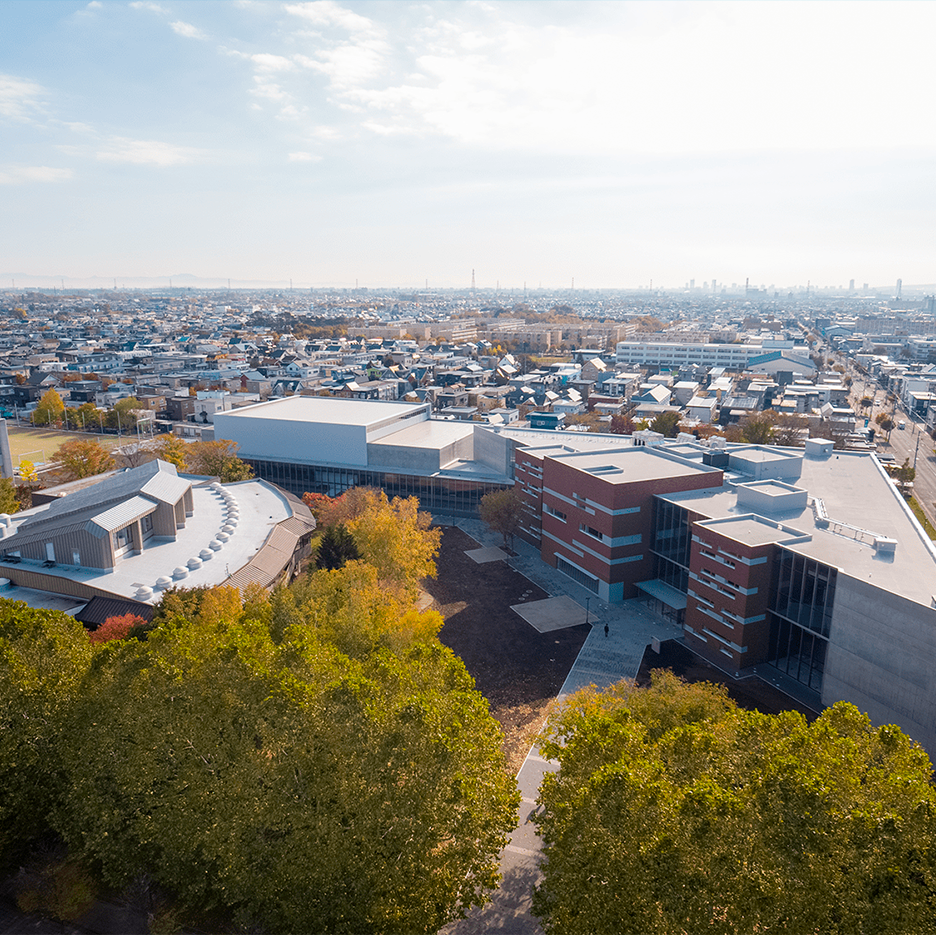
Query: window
672	536
591	531
552	511
576	574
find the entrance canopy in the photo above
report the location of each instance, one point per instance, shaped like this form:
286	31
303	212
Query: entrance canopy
664	592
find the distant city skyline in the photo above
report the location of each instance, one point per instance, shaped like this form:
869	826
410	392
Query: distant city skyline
390	144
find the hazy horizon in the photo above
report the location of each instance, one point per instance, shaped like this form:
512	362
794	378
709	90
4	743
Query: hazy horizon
387	144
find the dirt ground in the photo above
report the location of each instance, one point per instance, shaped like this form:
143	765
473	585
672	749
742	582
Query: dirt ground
516	668
519	670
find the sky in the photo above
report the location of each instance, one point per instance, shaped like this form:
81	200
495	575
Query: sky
613	144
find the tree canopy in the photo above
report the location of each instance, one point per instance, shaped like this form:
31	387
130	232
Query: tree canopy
84	457
674	813
217	459
758	427
172	449
666	423
336	547
392	535
49	409
288	782
44	655
501	511
9	498
309	761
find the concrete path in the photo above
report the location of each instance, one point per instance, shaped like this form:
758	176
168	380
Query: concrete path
602	661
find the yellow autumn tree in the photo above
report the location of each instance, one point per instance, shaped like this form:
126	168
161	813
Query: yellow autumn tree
351	608
396	538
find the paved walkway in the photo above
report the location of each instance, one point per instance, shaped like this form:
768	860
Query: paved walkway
602	661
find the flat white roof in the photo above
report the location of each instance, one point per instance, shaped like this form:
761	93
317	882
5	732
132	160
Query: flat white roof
632	464
433	433
855	491
361	412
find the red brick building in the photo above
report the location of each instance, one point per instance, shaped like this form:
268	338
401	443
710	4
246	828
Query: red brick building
592	513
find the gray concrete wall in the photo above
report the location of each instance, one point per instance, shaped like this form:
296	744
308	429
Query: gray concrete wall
494	450
882	658
404	458
275	439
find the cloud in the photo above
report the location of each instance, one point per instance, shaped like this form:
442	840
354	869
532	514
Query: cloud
90	9
150	6
18	175
602	78
20	99
187	30
304	157
329	13
147	152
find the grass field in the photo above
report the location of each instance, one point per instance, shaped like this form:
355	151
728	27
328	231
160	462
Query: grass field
39	445
921	516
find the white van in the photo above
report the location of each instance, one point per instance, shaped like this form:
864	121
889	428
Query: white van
901	425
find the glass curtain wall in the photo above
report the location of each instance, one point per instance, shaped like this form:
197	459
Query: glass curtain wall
438	494
801	616
672	542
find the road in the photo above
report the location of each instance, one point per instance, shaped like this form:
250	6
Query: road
913	442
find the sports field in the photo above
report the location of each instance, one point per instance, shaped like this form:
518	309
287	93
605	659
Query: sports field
39	445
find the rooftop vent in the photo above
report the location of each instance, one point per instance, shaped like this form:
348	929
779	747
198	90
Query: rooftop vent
818	447
882	544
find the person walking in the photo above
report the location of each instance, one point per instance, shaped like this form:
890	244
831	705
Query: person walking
606	631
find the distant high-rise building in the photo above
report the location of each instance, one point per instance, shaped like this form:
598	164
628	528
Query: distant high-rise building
851	285
692	284
899	287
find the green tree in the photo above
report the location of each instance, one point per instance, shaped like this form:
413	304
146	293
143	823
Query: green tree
9	496
905	474
123	416
293	786
84	457
50	408
217	459
86	417
501	511
675	812
44	655
666	423
336	547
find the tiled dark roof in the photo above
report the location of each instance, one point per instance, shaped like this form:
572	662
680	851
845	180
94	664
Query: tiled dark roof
98	609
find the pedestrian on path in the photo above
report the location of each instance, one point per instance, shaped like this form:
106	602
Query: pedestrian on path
606	631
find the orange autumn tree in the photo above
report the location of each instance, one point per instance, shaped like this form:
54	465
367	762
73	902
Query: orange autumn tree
115	628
